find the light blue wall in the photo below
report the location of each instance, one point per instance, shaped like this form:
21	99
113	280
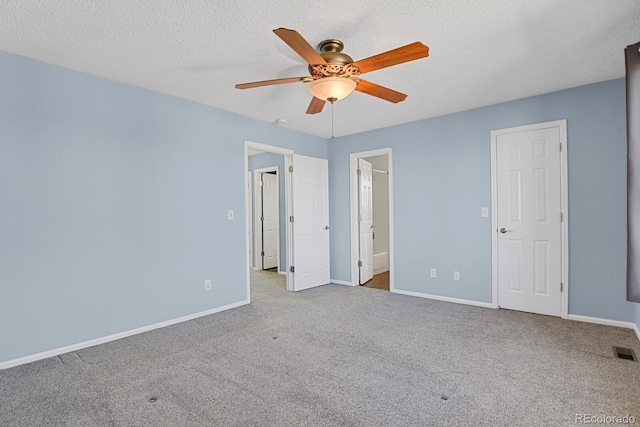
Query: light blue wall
113	205
442	179
266	160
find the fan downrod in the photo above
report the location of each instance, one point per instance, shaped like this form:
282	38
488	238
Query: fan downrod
331	51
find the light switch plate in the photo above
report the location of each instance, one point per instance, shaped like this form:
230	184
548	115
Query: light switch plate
485	212
230	214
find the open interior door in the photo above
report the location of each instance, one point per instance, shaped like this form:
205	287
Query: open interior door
365	220
270	220
310	183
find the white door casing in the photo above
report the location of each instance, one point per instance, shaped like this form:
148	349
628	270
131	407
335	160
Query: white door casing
365	220
270	220
249	219
310	184
528	205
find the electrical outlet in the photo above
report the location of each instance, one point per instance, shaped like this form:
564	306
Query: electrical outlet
433	273
456	275
485	212
230	214
207	285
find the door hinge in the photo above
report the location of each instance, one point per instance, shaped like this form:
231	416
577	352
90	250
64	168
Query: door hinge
262	218
359	263
359	217
561	286
561	216
561	147
292	269
359	171
262	253
261	183
291	218
290	168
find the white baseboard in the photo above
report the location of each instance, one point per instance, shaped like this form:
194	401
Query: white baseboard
341	282
635	327
446	299
600	321
109	338
284	273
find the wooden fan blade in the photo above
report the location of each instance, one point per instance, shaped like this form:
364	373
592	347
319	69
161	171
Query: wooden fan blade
397	56
380	91
315	106
300	45
270	82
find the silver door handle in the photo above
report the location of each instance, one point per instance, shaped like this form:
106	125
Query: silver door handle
326	227
504	230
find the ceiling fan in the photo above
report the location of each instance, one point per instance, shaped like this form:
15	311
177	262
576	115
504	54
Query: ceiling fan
335	75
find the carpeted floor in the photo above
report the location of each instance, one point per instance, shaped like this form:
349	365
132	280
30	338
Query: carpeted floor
335	355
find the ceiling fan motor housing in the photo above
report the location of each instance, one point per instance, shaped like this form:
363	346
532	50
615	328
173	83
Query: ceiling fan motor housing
339	64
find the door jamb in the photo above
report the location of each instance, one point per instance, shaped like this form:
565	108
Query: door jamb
288	207
353	198
564	206
256	217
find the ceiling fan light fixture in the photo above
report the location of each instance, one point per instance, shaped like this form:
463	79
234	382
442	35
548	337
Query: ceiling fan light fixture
331	88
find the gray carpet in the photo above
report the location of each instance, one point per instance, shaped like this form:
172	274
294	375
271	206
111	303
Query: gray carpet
335	355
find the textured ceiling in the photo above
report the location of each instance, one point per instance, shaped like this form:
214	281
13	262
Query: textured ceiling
482	52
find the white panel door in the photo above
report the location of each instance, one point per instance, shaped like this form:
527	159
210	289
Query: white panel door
365	219
310	184
270	221
529	221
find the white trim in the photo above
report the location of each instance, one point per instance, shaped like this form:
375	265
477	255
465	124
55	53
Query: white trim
635	327
341	282
114	337
353	202
445	299
288	206
600	321
564	202
249	203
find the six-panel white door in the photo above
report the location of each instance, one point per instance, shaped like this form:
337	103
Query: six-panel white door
365	219
529	221
310	184
270	220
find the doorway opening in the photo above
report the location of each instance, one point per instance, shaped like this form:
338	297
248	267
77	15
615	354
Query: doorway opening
371	219
268	204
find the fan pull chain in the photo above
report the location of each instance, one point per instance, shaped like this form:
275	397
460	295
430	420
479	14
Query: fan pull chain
332	136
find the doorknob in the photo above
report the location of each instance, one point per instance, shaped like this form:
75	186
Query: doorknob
326	227
504	230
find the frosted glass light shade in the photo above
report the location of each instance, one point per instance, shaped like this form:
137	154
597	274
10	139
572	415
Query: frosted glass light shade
331	88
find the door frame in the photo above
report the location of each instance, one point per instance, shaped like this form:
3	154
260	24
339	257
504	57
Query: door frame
288	208
353	198
256	217
564	206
